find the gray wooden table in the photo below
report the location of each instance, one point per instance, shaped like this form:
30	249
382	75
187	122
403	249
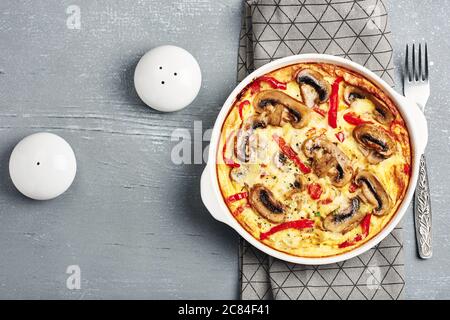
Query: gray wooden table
133	221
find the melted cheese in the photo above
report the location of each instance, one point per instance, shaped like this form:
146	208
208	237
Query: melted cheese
267	169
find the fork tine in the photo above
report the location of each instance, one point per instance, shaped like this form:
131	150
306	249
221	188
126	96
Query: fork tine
414	62
426	62
419	73
407	70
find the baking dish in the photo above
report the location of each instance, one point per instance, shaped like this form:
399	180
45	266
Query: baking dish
415	122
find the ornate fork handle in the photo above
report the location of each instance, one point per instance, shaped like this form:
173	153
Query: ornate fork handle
422	212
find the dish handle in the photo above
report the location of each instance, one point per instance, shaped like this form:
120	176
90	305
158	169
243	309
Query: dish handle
418	122
209	198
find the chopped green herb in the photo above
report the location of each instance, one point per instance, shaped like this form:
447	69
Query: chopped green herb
317	214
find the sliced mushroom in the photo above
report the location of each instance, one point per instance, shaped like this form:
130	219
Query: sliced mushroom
280	160
263	201
374	142
256	121
242	146
313	87
309	95
373	192
242	149
299	182
274	101
344	220
276	116
328	160
382	112
298	186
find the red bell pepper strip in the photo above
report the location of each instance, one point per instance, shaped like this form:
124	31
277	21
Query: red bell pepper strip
326	201
238	211
365	225
237	196
241	107
407	169
354	119
319	111
229	162
315	191
349	243
340	136
290	153
274	83
334	103
296	224
346	244
353	187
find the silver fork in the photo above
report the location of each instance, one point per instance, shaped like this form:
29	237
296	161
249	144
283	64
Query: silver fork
416	87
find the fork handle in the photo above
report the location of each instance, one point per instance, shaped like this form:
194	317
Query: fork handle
422	212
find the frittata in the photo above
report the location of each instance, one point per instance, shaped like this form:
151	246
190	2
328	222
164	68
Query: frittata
313	159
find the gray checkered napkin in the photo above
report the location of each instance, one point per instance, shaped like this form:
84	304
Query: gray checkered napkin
356	30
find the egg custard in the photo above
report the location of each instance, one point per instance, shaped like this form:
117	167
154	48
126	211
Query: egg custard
313	159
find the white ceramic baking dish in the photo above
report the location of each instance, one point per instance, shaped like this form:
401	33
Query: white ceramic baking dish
415	121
